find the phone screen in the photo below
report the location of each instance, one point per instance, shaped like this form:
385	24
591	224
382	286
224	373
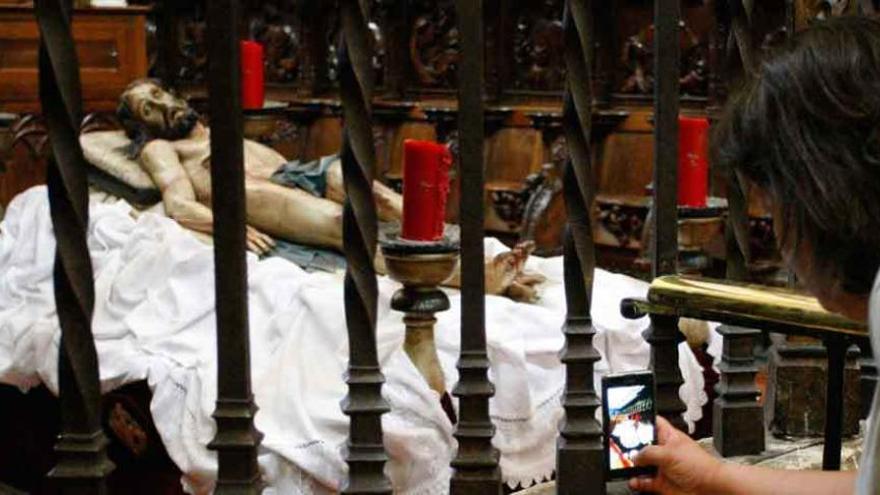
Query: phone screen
629	421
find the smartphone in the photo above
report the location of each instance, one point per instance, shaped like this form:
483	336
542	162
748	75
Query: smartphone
629	421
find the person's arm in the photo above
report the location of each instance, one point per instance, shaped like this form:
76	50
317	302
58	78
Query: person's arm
686	468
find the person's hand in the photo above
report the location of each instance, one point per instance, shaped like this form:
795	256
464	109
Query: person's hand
684	468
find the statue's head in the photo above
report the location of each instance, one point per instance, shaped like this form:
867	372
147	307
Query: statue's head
148	111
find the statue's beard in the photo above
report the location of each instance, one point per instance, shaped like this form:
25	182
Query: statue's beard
179	127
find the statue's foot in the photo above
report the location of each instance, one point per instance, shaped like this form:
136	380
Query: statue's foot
525	287
506	275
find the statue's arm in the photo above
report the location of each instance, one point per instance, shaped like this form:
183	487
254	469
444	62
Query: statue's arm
161	161
263	161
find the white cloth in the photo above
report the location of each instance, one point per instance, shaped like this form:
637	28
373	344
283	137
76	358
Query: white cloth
154	320
869	467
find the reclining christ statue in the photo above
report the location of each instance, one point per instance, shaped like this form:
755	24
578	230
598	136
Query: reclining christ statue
167	141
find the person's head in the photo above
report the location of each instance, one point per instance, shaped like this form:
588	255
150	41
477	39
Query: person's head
805	134
148	111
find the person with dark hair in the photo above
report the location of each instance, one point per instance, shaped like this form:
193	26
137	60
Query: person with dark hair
804	136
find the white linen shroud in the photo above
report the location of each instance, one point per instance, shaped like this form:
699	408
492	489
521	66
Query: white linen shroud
154	320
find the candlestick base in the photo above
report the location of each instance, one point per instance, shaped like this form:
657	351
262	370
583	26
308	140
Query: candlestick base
421	271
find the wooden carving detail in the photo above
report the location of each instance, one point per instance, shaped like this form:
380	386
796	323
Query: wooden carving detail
538	47
809	11
510	205
128	431
276	24
638	60
378	14
434	44
625	222
193	51
24	164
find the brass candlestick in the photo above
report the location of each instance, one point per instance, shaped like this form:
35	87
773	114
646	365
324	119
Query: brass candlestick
421	267
420	298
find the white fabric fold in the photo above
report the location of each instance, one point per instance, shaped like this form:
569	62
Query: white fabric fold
154	321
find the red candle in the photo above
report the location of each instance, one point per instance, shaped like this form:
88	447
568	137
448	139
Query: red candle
693	163
425	187
253	91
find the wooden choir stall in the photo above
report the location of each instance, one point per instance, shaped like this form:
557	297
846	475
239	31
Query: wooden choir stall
564	119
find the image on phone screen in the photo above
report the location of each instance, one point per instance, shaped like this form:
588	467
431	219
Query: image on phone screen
629	422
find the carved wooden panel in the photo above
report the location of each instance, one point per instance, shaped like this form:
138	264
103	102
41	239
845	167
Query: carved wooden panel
277	25
634	69
433	43
192	48
536	45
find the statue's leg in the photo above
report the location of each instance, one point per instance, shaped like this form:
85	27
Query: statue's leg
389	204
293	214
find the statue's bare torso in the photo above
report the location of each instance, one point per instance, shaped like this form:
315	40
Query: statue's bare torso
181	170
168	143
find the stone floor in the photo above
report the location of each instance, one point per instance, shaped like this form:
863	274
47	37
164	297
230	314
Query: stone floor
793	454
796	454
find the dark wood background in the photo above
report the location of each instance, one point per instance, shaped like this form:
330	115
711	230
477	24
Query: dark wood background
416	68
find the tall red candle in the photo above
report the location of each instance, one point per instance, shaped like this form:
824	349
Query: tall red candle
693	163
425	187
253	90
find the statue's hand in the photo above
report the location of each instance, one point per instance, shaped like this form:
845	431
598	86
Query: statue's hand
259	242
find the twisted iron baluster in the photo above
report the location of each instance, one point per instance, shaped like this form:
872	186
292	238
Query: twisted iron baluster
237	440
579	462
83	465
364	404
738	252
476	462
663	335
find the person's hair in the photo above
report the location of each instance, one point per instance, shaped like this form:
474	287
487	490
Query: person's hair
136	130
805	131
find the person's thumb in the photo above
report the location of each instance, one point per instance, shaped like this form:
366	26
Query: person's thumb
665	431
652	455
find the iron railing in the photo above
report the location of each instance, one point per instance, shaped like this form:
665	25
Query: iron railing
83	465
